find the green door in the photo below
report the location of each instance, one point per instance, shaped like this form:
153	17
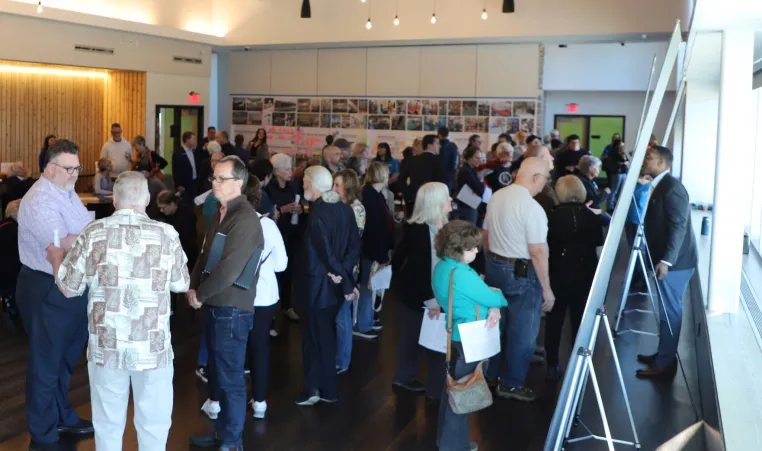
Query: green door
602	128
573	125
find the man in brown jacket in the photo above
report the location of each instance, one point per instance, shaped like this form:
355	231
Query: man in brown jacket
229	312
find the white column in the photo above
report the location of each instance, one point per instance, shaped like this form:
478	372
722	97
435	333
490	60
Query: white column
733	172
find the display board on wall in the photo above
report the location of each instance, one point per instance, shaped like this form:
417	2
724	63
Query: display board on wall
300	124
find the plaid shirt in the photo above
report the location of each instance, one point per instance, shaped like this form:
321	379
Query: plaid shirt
130	263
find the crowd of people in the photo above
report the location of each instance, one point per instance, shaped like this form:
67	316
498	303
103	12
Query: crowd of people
306	236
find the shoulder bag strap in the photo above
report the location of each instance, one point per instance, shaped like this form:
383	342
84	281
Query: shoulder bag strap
449	318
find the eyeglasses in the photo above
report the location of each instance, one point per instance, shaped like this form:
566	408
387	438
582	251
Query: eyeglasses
220	179
544	175
70	169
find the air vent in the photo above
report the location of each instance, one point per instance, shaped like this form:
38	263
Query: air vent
183	59
89	48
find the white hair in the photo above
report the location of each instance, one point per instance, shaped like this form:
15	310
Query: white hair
587	163
502	148
321	178
281	161
131	190
428	204
213	147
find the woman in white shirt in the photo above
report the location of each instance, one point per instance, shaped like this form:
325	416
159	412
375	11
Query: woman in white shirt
274	259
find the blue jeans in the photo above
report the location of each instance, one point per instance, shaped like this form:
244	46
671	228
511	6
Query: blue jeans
344	336
673	288
615	185
365	303
452	428
227	332
203	352
520	322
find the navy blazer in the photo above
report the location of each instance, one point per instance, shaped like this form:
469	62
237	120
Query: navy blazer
182	172
668	225
331	244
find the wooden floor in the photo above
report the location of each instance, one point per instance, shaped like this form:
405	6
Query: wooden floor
369	415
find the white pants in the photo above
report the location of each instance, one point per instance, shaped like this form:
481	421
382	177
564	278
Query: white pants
152	394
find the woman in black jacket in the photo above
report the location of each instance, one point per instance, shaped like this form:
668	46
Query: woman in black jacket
467	176
148	160
412	266
574	232
377	241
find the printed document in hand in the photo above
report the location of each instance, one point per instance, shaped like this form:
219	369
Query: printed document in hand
201	198
478	342
469	197
381	280
433	333
487	194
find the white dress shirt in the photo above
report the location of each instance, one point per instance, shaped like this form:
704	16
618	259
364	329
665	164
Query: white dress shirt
275	260
120	154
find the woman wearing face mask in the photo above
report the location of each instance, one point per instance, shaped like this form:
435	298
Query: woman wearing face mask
467	176
457	245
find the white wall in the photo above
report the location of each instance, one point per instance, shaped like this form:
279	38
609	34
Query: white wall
628	104
45	41
700	140
164	89
603	67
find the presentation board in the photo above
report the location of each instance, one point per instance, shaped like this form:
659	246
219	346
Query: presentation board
300	124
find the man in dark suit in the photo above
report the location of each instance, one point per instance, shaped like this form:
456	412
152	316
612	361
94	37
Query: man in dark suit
185	168
672	244
423	168
324	271
448	154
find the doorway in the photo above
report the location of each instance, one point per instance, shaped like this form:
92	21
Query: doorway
171	122
594	132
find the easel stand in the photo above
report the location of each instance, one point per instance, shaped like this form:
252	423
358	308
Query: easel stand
637	258
583	369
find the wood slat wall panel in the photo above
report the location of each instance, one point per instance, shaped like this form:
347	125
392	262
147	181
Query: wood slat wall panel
80	108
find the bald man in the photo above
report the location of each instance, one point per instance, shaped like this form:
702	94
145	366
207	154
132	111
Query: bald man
515	235
547	197
332	159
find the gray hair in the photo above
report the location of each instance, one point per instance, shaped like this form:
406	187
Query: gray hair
281	161
428	204
503	148
321	178
569	189
131	189
587	163
61	146
239	170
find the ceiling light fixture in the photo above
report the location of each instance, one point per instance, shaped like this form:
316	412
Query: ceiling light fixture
434	14
39	7
306	9
484	11
396	20
363	1
52	71
509	6
368	25
396	13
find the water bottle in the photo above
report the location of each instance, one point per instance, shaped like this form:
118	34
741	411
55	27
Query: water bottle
705	226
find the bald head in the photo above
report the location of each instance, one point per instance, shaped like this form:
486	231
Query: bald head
542	153
533	175
332	155
18	169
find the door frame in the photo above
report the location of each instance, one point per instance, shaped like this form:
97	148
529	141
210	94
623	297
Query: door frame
588	117
176	142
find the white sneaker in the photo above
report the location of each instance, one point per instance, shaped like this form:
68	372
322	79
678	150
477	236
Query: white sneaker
259	408
291	314
273	333
211	409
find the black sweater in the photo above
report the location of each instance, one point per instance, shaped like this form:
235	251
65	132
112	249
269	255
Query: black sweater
377	239
411	265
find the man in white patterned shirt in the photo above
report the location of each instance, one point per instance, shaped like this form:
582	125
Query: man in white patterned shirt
130	264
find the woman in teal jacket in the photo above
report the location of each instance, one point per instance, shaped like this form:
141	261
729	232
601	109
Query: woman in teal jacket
457	245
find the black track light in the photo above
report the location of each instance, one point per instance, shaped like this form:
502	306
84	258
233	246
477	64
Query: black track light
508	6
306	10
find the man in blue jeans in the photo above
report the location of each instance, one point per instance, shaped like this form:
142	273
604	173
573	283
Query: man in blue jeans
515	235
229	306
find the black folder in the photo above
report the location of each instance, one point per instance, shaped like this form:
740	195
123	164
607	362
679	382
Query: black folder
246	279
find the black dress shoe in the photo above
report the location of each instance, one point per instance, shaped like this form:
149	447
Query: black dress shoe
647	359
83	427
43	447
205	441
658	372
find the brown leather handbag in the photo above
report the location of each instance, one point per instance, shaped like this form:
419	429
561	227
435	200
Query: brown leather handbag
470	393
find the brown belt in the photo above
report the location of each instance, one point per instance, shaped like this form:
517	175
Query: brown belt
503	259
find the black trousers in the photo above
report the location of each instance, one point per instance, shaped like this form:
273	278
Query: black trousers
409	354
259	351
285	278
57	330
319	352
574	301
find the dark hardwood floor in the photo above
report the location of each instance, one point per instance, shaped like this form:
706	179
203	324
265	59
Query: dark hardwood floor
369	415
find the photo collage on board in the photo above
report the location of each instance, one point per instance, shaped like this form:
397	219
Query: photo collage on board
422	115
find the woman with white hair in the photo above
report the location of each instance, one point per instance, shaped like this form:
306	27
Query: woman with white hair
284	194
412	265
324	269
588	169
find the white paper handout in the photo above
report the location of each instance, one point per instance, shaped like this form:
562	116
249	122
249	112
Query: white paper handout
381	280
433	333
469	197
295	216
478	342
201	198
487	194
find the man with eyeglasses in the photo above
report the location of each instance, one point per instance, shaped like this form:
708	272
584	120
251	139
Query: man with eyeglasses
118	150
229	308
56	326
516	262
